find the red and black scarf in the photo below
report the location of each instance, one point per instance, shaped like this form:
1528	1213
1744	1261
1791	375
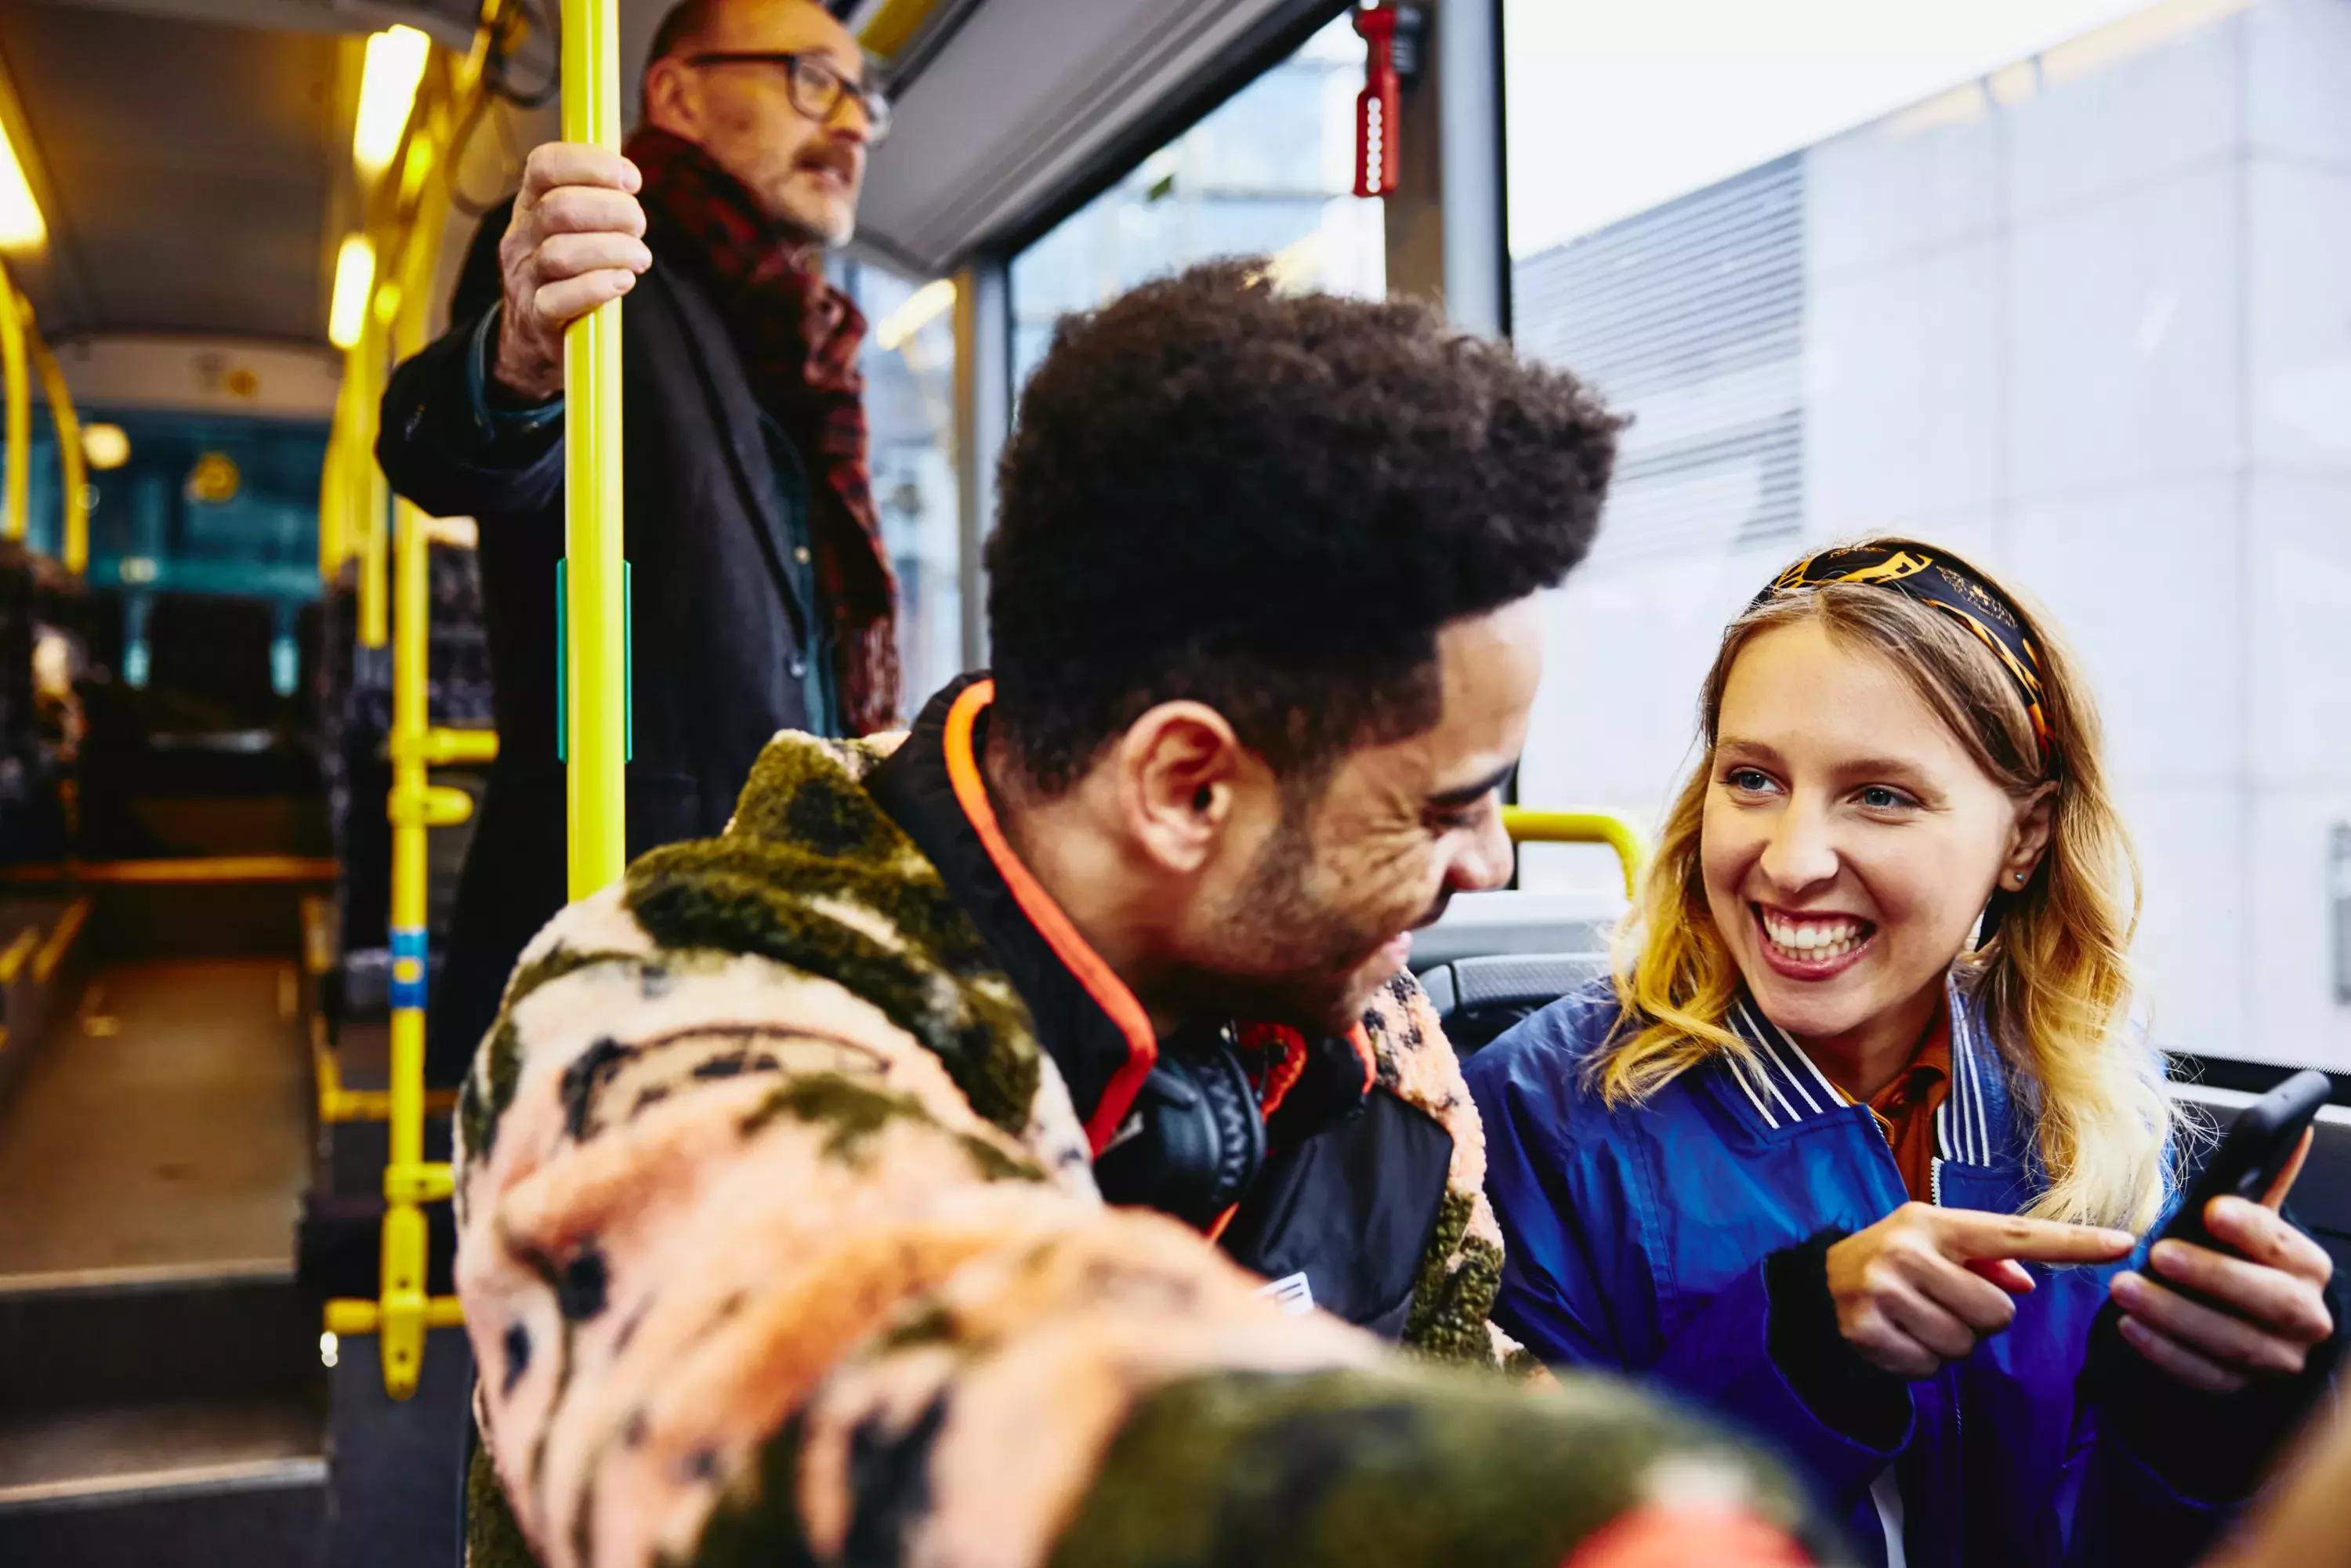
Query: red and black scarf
799	336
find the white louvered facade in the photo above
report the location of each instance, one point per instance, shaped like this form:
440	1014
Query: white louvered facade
2087	321
1690	317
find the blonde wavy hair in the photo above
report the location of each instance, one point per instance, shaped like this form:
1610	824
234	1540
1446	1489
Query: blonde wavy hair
2054	978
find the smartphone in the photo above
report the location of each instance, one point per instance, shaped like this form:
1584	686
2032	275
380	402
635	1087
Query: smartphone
2251	1154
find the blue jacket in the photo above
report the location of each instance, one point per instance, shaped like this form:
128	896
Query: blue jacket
1637	1241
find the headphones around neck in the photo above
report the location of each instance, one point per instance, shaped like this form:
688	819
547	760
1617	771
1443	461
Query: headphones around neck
1194	1140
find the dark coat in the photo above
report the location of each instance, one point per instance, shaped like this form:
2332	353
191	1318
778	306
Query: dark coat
721	609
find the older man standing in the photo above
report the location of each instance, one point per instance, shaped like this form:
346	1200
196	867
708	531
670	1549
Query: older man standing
762	597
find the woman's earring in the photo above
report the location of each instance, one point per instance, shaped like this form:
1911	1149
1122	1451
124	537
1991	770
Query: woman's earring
2020	879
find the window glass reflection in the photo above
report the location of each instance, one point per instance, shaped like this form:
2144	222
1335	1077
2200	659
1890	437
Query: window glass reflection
1268	173
909	363
2056	283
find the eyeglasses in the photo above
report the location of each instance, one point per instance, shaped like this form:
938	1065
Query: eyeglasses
816	88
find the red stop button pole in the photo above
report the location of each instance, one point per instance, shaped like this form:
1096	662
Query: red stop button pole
1379	108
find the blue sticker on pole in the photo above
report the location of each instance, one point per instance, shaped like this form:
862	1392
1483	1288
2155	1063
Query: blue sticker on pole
408	968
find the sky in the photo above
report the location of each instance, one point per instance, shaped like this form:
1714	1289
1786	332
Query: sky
1617	105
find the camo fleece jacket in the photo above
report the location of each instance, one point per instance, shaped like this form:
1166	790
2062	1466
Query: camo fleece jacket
779	1243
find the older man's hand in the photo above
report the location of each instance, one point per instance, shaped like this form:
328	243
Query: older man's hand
577	240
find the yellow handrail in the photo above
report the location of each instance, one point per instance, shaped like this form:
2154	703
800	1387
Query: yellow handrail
408	245
13	358
596	612
1617	833
369	496
332	549
337	1104
73	548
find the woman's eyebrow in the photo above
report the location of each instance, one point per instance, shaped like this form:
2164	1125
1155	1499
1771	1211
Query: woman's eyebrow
1883	767
1470	794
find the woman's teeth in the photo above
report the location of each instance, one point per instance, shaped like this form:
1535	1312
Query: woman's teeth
1813	939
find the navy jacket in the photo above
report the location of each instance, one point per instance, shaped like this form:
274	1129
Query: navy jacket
725	629
1637	1240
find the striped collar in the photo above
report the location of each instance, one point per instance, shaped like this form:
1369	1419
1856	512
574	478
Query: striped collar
1785	1088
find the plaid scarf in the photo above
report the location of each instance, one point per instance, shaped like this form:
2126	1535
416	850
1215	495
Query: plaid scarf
799	336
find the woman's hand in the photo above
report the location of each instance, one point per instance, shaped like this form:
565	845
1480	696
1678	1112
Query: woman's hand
2274	1296
1922	1285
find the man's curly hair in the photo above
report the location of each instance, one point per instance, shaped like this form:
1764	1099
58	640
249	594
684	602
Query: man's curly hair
1270	503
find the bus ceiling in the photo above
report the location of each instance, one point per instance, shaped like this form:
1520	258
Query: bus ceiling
191	158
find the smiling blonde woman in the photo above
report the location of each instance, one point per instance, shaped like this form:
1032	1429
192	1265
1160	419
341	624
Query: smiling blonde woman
1853	1145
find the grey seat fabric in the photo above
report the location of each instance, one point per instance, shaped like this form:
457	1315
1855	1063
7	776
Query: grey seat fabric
1478	999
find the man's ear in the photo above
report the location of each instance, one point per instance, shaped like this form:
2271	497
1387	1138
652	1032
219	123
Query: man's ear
1176	770
667	97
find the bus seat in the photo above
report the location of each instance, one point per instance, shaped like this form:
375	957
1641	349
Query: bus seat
213	650
1478	997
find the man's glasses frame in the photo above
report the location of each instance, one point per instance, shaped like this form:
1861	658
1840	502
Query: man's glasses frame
815	84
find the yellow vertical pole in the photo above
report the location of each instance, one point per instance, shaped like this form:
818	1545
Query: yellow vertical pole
402	1332
74	468
20	409
330	501
596	608
416	807
402	1314
371	495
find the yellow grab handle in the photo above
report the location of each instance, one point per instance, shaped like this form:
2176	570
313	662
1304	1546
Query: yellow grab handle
451	747
1617	833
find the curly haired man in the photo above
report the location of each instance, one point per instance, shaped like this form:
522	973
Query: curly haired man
1020	1141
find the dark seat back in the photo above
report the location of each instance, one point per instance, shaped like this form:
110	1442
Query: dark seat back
1478	999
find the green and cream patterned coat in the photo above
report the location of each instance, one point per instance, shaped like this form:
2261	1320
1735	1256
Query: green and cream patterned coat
779	1243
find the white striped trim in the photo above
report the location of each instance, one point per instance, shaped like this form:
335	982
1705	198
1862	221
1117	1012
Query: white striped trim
1764	1063
1763	1029
1967	1063
1963	1123
1779	1046
1739	1075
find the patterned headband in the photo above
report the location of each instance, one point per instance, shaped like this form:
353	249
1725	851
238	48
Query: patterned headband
1920	575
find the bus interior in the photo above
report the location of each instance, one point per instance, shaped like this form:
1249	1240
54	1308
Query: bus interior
2060	283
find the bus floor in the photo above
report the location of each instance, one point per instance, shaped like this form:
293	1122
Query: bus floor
162	1400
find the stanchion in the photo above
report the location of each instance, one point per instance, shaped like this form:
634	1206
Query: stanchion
593	582
403	1314
13	358
73	472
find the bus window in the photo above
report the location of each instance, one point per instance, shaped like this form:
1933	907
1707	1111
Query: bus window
2054	282
1271	172
909	366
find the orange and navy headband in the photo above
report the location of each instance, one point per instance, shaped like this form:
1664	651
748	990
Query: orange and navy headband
1921	575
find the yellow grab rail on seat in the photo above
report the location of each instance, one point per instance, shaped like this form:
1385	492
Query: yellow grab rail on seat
596	612
1526	827
337	1104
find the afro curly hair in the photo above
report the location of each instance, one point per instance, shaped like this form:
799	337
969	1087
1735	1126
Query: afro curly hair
1270	502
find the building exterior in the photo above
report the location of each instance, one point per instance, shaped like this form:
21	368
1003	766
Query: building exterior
2088	321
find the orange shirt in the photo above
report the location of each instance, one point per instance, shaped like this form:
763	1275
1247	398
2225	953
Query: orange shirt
1906	1107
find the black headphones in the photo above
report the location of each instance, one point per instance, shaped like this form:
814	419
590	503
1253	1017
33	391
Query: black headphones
1193	1139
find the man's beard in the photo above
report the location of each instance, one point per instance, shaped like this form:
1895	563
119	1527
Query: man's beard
1303	956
